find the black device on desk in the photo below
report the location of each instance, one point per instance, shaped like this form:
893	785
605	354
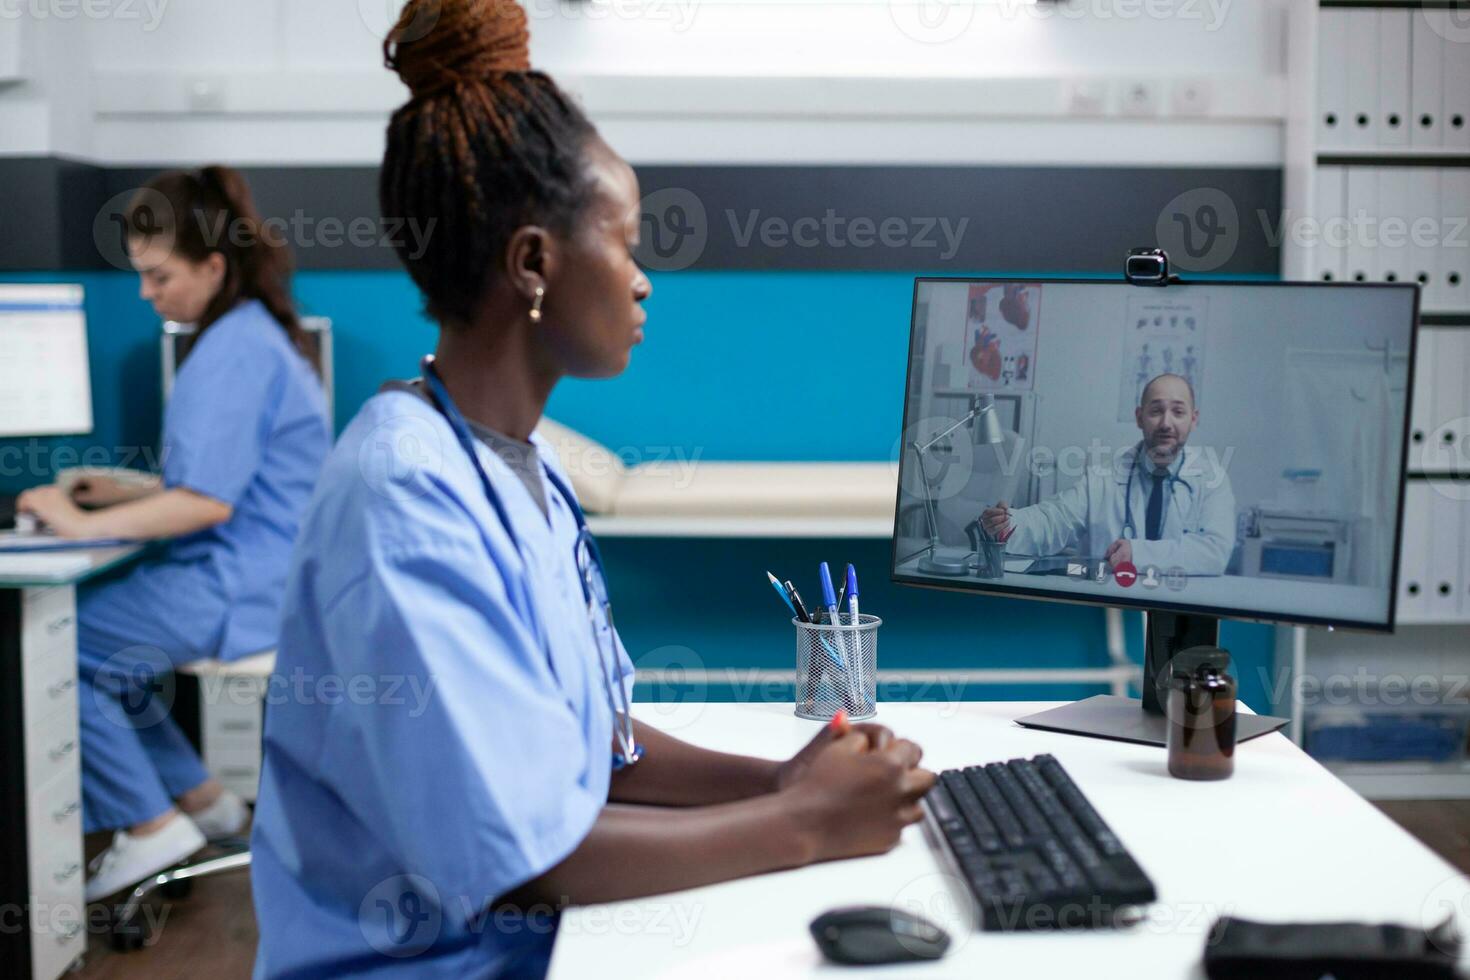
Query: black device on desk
1033	851
7	511
1082	358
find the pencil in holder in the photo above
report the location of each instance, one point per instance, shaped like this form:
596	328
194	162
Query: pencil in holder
837	667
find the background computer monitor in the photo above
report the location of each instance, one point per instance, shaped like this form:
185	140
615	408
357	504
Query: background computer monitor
45	387
1284	504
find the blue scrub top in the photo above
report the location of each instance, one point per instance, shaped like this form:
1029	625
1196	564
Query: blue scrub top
247	425
438	730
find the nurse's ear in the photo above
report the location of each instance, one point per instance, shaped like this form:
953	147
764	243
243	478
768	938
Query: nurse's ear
530	264
213	268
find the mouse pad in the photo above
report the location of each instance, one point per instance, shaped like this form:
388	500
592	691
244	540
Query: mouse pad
1124	720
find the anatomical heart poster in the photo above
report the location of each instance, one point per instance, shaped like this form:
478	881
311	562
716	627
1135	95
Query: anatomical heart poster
999	341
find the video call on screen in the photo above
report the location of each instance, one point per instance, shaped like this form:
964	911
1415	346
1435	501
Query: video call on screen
1236	447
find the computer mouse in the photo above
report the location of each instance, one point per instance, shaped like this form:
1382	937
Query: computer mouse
864	935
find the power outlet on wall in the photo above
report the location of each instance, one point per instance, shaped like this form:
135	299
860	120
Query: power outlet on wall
1087	97
1138	97
1190	97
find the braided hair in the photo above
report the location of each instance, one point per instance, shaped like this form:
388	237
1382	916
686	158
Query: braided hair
484	146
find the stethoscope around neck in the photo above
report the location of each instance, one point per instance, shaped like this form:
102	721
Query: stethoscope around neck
585	552
1130	530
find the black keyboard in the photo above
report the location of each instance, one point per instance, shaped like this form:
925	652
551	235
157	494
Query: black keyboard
1034	852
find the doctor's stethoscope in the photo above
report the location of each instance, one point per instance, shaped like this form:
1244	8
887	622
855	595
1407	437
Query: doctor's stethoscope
588	558
1130	530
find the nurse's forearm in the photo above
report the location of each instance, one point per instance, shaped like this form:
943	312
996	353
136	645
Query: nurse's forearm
169	513
675	773
633	851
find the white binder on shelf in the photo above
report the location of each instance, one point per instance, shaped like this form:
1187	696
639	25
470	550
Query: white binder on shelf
1362	77
1393	77
1421	409
1394	230
1362	225
1426	89
1454	250
1464	612
1328	248
1414	553
1444	447
1456	86
1426	230
1333	120
1446	541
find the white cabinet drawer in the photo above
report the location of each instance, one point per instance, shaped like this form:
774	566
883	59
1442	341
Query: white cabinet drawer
50	683
48	622
55	834
58	931
52	747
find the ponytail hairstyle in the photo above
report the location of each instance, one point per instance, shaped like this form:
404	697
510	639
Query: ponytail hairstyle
484	146
201	212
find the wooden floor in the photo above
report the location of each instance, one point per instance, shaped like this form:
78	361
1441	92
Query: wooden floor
215	924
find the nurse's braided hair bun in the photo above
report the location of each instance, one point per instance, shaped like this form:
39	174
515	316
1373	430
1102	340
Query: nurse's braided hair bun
484	146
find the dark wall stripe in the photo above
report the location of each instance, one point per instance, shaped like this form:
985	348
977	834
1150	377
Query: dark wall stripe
63	215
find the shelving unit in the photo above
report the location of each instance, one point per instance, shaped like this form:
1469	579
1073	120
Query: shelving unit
1377	189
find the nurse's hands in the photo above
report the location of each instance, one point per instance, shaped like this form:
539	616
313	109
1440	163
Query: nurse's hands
796	767
1118	552
855	800
53	508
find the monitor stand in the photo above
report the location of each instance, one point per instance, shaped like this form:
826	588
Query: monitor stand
1143	721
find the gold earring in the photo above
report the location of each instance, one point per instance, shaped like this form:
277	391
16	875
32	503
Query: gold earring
536	304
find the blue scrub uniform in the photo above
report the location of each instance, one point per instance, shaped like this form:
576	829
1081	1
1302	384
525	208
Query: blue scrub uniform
247	425
442	732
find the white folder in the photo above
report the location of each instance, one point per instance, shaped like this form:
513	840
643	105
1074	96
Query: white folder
1446	541
1393	231
1454	250
1393	77
1329	247
1426	230
1456	76
1444	450
1421	410
1414	553
1362	77
1362	223
1426	90
1333	121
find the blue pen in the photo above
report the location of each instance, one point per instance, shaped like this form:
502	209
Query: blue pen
850	589
829	599
829	596
781	591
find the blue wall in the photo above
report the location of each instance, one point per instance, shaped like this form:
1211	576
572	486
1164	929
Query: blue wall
736	365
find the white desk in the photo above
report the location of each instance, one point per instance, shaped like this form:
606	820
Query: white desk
41	872
1281	840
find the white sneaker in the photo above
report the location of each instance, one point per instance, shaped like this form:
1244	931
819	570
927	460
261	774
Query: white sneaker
131	859
225	817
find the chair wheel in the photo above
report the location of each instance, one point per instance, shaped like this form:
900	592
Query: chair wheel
177	889
129	935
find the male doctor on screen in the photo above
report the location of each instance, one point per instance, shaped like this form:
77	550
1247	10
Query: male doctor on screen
1162	503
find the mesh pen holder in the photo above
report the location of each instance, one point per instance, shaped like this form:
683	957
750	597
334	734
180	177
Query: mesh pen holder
837	667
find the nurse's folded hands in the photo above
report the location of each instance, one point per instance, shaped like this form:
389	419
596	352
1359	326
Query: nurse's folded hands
856	799
794	768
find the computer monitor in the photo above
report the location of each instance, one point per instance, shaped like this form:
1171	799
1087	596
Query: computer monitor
45	388
1198	451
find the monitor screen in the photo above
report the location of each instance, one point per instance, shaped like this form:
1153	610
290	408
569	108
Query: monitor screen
45	388
1234	449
